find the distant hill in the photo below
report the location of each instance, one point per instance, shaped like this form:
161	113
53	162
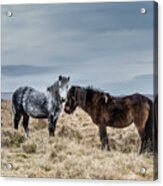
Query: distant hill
6	95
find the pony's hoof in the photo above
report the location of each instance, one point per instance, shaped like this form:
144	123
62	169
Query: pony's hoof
28	136
108	149
51	134
105	148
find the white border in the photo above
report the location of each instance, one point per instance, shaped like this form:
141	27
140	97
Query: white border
59	1
42	182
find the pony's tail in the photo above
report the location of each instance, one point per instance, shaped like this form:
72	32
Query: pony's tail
13	107
13	104
150	131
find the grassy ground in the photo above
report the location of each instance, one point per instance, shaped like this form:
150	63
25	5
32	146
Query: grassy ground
74	152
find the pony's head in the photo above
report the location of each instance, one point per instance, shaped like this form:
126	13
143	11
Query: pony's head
76	96
63	83
60	87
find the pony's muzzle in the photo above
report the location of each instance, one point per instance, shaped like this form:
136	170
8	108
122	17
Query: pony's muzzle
63	100
67	109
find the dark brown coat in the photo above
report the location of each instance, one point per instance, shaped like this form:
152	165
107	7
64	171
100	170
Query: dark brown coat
119	112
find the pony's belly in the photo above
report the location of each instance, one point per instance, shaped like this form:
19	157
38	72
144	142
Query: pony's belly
39	116
120	124
120	119
36	112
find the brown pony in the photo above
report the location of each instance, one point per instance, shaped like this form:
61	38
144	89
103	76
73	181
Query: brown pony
119	112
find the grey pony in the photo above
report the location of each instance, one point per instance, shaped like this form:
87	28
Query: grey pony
28	102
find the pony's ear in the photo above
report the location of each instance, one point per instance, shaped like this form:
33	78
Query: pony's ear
48	89
106	98
60	77
68	78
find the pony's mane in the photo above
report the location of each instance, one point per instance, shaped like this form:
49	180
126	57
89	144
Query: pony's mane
54	85
92	90
95	90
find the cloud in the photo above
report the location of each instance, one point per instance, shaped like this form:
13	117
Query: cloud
26	70
111	41
140	84
71	32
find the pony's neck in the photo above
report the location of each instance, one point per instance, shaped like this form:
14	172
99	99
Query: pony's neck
86	104
83	107
92	102
55	96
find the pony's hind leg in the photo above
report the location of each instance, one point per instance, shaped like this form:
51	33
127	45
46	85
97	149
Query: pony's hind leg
146	143
104	138
143	143
17	117
147	138
141	131
25	124
144	127
148	133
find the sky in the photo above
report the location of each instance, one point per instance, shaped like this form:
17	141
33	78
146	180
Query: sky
105	45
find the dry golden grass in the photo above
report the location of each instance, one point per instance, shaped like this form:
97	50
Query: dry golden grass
74	152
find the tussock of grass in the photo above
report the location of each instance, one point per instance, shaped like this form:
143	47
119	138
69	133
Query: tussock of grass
74	152
38	124
46	168
11	138
29	147
69	132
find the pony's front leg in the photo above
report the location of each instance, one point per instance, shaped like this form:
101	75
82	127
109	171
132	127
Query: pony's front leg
52	120
25	124
104	138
